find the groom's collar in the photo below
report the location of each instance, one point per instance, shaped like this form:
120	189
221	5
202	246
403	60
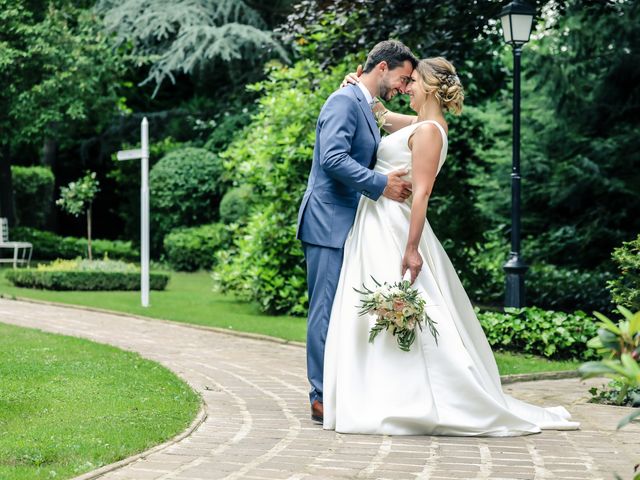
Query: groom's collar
365	91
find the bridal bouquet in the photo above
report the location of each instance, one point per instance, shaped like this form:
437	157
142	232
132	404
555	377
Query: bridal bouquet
399	308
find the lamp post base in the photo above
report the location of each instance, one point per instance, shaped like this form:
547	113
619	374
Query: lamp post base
515	269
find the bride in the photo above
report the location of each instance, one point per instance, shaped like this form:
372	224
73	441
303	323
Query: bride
449	388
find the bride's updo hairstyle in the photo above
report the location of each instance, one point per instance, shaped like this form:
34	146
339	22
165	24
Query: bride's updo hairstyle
438	77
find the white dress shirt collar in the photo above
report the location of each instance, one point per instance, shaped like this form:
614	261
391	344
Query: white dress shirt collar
367	94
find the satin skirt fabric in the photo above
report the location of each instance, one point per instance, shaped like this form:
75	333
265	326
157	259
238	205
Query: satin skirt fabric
452	388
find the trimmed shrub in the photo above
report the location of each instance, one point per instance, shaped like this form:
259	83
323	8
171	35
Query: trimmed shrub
266	264
187	186
625	289
81	274
33	194
189	249
49	246
84	280
235	205
556	335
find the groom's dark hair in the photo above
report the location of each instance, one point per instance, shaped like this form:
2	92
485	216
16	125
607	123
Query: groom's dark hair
393	52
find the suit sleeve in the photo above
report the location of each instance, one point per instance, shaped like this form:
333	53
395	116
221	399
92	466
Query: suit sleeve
338	125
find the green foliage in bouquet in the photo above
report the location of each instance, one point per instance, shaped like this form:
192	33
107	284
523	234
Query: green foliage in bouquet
625	289
399	309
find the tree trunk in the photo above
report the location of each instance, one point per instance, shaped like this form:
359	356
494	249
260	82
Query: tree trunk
49	152
89	232
49	158
7	208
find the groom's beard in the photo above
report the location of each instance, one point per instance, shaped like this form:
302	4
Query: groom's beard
386	93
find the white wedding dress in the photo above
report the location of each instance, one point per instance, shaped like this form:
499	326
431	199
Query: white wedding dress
452	388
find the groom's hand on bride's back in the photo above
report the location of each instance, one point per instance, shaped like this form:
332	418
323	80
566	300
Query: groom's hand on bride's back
397	189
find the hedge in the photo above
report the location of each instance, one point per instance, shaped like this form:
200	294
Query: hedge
187	187
49	246
78	280
189	249
556	335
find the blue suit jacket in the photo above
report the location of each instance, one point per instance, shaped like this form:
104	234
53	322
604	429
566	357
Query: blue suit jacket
344	155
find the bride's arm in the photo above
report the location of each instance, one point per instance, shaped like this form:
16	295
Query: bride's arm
392	121
425	144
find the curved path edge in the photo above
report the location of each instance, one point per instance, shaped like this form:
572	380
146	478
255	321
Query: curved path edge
99	472
505	379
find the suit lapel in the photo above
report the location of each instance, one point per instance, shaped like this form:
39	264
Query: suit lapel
366	109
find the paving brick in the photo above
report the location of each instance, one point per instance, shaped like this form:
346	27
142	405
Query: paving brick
258	424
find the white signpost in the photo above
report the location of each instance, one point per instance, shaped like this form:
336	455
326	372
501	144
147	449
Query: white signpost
143	155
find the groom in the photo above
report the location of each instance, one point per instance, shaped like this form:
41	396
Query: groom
344	155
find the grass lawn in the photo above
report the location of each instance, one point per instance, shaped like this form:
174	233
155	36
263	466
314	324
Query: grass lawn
189	299
69	405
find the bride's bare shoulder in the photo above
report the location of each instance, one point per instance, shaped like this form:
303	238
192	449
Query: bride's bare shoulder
425	133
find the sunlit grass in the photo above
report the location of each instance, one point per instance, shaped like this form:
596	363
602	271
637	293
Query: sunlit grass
69	405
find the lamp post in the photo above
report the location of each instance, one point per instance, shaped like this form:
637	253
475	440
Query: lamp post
517	20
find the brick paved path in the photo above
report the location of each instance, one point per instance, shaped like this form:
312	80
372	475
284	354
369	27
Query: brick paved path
258	424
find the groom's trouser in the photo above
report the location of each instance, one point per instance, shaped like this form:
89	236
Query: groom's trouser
323	272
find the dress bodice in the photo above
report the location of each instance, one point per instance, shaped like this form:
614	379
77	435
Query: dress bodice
394	152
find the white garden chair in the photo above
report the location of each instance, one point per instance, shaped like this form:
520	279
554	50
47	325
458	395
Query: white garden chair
20	249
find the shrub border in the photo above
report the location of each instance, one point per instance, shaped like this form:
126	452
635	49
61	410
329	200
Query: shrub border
76	280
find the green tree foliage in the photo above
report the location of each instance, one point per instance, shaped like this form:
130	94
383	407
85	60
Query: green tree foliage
187	187
58	72
464	32
77	198
182	36
475	181
33	191
580	146
273	157
585	161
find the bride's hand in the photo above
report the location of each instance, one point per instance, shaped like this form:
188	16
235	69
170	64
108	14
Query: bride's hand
412	261
353	77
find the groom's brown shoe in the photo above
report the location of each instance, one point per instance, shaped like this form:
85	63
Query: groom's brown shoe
317	412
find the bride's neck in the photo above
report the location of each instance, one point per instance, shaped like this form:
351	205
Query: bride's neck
430	110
